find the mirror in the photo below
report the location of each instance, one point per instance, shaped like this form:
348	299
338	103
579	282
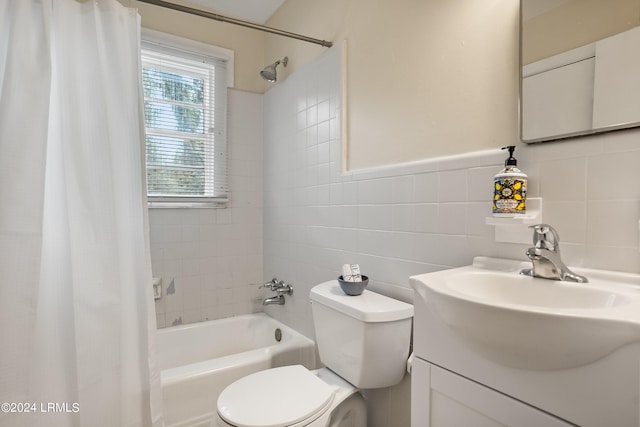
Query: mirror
580	70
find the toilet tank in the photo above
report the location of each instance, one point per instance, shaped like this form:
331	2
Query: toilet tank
365	339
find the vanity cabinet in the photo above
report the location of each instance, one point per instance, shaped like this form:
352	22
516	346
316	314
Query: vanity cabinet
443	399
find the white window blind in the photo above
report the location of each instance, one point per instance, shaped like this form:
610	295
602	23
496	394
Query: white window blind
185	115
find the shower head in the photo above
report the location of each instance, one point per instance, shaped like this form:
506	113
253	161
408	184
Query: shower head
269	72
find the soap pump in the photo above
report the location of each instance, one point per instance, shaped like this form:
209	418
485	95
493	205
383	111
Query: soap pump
509	188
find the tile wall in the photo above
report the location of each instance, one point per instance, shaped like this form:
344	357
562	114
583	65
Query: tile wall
210	260
425	216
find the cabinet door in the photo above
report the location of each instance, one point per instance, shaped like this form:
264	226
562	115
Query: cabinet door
440	398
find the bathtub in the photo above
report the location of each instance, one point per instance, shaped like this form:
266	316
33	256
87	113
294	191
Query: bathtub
197	361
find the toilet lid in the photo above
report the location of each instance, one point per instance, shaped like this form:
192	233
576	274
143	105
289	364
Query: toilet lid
275	397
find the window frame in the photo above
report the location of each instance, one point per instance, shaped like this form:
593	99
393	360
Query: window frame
190	49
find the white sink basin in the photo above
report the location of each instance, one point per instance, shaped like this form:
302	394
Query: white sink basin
531	323
508	289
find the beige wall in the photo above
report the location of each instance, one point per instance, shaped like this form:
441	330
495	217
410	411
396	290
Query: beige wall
247	44
576	23
425	78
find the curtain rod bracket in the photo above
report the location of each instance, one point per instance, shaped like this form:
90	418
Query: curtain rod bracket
242	23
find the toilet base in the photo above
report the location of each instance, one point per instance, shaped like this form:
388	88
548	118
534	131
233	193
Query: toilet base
347	409
352	412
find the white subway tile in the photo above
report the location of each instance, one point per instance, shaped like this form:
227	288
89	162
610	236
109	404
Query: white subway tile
324	111
301	103
613	258
335	216
225	296
427	220
404	218
613	223
159	304
480	184
324	155
568	218
373	242
312	156
350	216
426	187
477	212
334	128
174	318
324	194
160	320
345	239
452	218
336	194
563	180
312	115
379	217
324	174
302	120
173	302
210	313
191	301
403	189
350	192
376	191
312	136
312	93
452	186
614	176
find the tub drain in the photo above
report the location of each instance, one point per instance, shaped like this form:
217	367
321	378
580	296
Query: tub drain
278	334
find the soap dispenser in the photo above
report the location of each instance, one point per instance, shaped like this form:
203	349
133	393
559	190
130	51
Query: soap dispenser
509	188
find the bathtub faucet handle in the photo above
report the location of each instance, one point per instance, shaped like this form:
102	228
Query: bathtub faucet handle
283	288
272	285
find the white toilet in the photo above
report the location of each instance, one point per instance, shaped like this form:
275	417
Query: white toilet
364	343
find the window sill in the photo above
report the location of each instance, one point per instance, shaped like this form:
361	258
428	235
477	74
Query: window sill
187	205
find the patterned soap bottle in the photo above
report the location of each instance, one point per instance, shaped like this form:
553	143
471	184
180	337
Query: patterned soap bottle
509	188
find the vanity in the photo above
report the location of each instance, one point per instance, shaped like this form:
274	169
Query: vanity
493	347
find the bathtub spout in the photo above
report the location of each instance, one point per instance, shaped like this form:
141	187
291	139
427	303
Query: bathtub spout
278	299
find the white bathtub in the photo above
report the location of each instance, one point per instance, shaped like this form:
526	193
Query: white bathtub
197	361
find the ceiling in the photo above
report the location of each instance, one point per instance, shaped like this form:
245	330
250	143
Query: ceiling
250	10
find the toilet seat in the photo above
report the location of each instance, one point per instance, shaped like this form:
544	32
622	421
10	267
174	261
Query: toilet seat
277	397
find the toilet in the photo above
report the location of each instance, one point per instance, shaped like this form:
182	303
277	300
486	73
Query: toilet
364	343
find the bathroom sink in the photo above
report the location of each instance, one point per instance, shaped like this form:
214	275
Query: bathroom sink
518	290
532	323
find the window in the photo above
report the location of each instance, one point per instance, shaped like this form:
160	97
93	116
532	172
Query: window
185	115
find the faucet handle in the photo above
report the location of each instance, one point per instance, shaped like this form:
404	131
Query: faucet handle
283	288
271	285
545	237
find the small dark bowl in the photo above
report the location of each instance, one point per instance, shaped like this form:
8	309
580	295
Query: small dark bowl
353	288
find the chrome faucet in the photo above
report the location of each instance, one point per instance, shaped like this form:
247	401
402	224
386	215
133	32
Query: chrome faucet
278	299
280	288
545	256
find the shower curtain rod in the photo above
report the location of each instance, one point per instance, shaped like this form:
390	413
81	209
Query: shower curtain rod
235	21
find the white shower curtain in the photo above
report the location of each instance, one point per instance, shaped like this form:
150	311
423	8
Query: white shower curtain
77	324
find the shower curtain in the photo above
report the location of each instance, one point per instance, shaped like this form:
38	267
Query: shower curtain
77	323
